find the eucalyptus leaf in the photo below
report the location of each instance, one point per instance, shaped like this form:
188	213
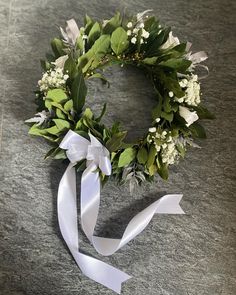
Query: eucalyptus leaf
94	33
197	130
119	41
115	142
126	157
56	95
68	106
163	171
112	24
142	155
57	47
61	124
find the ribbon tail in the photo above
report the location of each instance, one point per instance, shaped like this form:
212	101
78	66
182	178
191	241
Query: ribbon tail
95	269
101	272
169	204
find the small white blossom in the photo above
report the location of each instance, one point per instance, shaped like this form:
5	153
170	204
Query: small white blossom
129	25
52	79
129	33
145	34
169	153
157	120
189	117
171	94
192	91
152	129
140	25
134	40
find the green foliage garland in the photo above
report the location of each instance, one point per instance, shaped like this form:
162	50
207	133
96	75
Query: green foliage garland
82	54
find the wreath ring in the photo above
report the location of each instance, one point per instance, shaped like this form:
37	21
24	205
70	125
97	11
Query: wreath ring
83	53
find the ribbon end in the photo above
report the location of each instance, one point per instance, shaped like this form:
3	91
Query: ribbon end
169	204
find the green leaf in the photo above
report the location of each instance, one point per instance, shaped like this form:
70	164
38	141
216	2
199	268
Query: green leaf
156	112
35	130
142	155
115	142
88	23
94	34
203	113
56	153
126	157
53	130
112	24
93	56
102	113
57	47
197	130
181	150
178	64
167	116
68	106
153	47
173	85
151	156
88	113
60	114
119	41
152	169
163	171
70	67
78	92
150	60
61	124
56	95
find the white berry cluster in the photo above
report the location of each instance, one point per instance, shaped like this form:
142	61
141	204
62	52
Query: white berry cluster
53	79
191	87
165	144
133	31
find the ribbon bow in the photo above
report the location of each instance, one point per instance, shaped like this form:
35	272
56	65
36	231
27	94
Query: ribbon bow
97	156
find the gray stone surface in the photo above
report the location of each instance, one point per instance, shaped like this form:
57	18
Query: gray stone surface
193	254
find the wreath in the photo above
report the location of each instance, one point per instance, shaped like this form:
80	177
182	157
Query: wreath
101	151
83	54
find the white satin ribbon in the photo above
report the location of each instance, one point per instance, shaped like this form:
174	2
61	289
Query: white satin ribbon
97	156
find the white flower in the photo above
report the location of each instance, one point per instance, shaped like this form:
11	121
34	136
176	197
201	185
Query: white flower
134	40
171	94
152	129
60	61
53	79
129	33
192	91
157	120
129	25
41	117
171	42
72	32
141	25
189	117
145	34
135	31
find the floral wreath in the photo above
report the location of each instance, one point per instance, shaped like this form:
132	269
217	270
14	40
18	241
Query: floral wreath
100	151
141	41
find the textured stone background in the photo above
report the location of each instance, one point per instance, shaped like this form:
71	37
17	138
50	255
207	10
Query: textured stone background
178	255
